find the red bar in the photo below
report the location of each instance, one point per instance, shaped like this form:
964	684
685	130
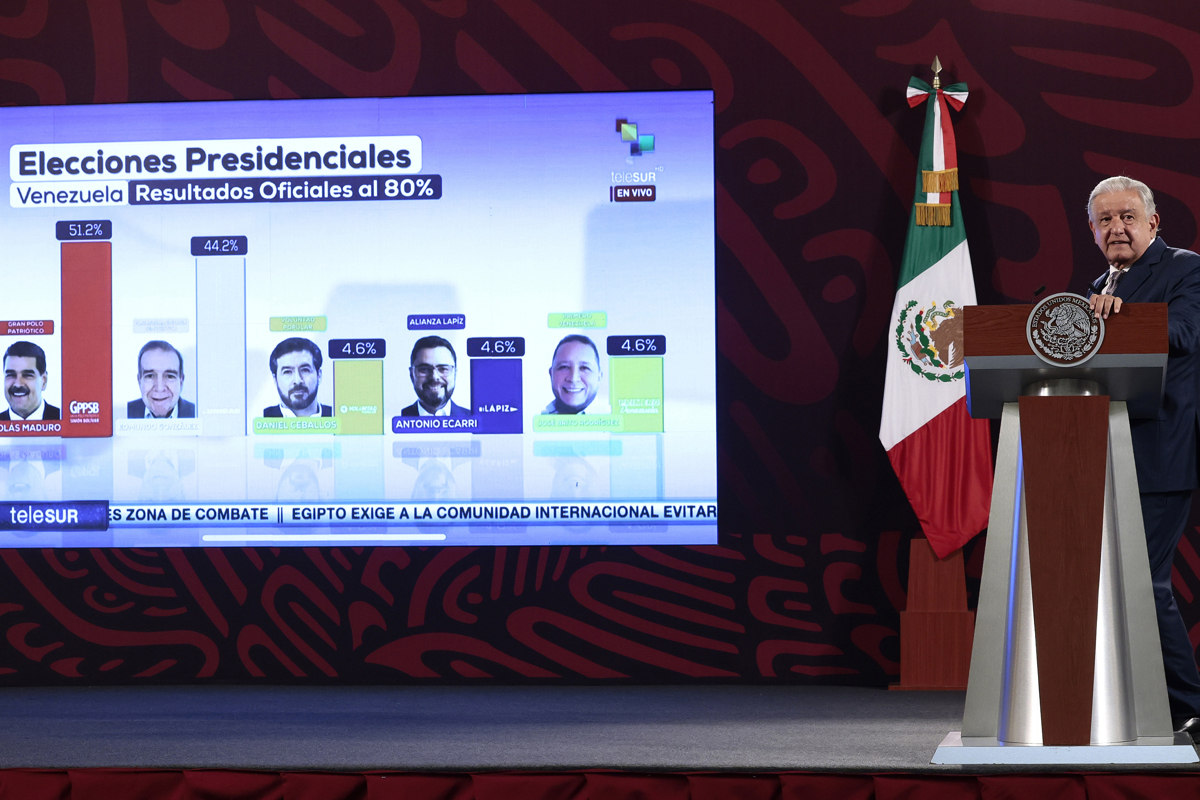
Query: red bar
86	327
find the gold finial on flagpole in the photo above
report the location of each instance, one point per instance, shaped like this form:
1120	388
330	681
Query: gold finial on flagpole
936	66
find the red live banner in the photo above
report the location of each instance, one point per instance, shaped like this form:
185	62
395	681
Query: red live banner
86	335
26	327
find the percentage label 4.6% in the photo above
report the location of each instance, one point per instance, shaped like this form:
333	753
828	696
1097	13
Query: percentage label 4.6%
496	347
637	345
357	348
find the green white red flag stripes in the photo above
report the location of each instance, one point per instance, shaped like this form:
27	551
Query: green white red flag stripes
941	456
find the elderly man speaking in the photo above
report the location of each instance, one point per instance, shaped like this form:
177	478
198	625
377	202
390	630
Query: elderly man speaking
1142	269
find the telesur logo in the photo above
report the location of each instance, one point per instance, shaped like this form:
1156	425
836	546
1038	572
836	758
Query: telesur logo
638	142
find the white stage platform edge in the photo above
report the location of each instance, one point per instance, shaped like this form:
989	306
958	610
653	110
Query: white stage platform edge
953	751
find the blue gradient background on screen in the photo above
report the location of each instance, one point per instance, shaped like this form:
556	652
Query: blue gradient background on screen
524	228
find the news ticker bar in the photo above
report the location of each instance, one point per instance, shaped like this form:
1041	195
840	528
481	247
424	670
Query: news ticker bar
99	515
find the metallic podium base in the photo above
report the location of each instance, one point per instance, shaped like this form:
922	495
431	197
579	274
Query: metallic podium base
952	751
1130	719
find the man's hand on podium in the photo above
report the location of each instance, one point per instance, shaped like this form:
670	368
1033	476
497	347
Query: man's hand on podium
1105	304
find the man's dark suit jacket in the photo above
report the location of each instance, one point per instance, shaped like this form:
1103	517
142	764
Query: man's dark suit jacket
273	411
51	412
456	411
136	409
1165	448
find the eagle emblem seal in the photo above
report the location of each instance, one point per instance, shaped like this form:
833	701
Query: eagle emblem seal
1063	331
930	340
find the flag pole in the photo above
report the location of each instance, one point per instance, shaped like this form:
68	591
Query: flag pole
936	629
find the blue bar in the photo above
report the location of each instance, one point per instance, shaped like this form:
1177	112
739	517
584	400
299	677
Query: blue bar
496	395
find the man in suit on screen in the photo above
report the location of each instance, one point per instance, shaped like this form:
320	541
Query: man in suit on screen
575	375
160	377
25	379
296	366
433	367
1142	269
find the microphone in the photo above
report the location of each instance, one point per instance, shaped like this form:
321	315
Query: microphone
1037	291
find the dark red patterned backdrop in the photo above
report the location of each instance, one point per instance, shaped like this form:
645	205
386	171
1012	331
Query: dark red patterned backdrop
815	163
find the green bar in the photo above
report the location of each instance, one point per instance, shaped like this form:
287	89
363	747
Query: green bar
279	324
635	390
295	425
579	319
578	422
358	396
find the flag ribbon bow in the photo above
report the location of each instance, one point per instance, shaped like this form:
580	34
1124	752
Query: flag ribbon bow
939	156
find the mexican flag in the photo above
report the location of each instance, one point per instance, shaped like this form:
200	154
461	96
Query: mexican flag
940	454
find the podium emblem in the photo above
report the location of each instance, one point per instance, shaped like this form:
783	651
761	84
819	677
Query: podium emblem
1063	331
930	340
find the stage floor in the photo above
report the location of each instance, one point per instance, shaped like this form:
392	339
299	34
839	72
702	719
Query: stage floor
642	728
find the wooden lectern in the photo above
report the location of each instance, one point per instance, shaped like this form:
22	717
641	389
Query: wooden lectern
1066	653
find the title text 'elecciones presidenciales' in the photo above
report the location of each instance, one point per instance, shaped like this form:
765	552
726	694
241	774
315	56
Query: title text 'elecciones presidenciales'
215	158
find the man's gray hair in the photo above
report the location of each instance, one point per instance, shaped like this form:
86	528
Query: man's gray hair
1120	183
